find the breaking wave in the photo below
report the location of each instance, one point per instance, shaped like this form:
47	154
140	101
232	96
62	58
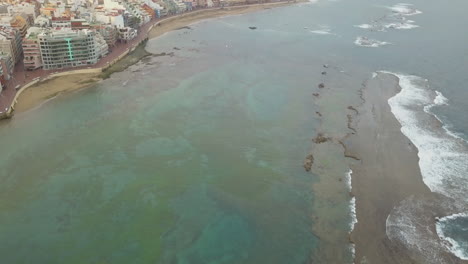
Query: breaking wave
404	9
453	230
322	32
369	43
442	157
443	164
352	206
396	20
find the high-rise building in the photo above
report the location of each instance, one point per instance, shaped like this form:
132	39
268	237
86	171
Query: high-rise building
32	52
69	48
21	22
7	66
109	33
10	42
31	9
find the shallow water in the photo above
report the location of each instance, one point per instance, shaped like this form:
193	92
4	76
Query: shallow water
197	157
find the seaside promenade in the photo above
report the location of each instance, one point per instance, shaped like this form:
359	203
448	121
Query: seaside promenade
22	79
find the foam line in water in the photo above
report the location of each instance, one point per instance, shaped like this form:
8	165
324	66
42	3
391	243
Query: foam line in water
440	99
442	158
400	25
442	161
322	32
404	9
452	244
369	43
364	26
352	207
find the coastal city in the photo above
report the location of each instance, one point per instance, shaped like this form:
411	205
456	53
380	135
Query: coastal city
41	38
233	132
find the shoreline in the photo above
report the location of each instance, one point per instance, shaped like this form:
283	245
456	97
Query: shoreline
388	184
57	83
377	184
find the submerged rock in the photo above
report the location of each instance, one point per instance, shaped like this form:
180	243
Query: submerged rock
321	86
308	162
253	28
320	138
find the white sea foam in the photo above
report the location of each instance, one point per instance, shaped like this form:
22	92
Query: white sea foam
442	159
365	26
454	216
352	207
452	244
354	219
370	43
374	74
349	180
406	224
400	26
390	25
321	32
352	203
405	9
371	27
440	99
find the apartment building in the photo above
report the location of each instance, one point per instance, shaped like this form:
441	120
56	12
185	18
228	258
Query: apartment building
32	53
31	9
127	33
70	48
61	22
109	33
21	22
7	66
10	42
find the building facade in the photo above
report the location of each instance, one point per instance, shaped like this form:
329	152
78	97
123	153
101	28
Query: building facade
7	66
127	33
10	42
31	9
109	33
61	22
21	23
69	48
32	53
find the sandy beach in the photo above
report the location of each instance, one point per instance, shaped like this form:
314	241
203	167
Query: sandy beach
53	87
189	18
36	94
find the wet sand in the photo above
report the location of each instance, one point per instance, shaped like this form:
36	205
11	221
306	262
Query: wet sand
36	94
387	172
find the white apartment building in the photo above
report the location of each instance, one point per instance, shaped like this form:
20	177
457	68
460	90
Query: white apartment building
70	48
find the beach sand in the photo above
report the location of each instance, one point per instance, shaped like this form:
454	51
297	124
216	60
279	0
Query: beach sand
36	94
386	174
189	18
50	88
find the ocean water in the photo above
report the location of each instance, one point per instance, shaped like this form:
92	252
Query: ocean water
196	157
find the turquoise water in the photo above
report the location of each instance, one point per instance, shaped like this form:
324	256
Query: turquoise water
208	171
191	159
197	157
